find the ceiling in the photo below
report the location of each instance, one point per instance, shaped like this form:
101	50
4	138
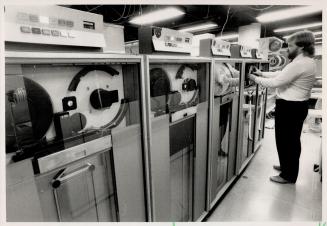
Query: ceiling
238	15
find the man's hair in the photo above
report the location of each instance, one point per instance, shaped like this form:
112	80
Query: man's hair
304	39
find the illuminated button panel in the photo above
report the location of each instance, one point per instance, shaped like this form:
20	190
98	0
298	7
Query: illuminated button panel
25	29
46	32
45	21
220	47
36	30
171	41
246	51
24	17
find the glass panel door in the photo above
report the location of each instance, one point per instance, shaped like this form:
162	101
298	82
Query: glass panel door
249	109
61	112
179	111
181	169
223	144
224	126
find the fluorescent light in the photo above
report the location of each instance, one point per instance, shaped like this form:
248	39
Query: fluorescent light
298	27
156	16
315	33
318	39
228	36
199	27
288	13
318	43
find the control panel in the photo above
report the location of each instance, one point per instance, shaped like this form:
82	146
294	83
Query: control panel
51	24
169	40
245	52
220	48
258	54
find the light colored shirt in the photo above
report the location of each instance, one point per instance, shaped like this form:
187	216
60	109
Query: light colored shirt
235	81
294	82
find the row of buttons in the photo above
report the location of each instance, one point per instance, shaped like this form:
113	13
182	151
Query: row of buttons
43	19
220	44
176	39
43	31
223	47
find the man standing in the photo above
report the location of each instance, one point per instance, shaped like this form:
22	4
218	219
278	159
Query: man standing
293	89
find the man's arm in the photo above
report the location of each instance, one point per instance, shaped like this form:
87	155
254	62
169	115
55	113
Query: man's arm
270	74
291	72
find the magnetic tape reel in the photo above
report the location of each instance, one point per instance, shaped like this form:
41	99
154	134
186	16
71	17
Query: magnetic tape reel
223	72
173	88
275	45
24	129
276	61
104	101
94	103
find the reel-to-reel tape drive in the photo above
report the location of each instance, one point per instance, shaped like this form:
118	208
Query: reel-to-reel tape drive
174	90
226	78
49	110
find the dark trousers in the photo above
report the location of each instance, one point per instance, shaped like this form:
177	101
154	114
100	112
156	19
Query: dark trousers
289	118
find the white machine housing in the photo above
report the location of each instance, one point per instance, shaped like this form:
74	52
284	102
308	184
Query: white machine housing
54	25
220	47
246	51
154	40
169	40
259	54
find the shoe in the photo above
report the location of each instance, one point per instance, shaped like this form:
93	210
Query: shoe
280	180
276	167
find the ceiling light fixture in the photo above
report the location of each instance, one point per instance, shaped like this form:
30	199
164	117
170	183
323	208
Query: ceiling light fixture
316	33
228	36
157	16
288	13
293	28
199	27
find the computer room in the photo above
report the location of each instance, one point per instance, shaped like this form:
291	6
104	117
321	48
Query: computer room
163	112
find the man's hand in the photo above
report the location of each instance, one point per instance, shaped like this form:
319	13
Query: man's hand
254	70
252	77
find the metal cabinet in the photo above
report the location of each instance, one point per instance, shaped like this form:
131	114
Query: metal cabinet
178	110
130	138
22	198
252	114
82	191
224	124
79	117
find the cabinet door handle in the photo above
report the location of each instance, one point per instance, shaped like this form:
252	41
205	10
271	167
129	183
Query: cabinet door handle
60	177
250	120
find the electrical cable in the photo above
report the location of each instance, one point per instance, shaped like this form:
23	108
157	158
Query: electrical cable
222	30
129	9
260	9
114	10
141	10
131	14
89	10
208	11
121	15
